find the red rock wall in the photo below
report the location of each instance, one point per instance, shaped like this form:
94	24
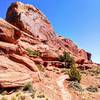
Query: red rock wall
28	28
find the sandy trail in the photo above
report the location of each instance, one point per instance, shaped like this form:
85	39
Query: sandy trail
60	82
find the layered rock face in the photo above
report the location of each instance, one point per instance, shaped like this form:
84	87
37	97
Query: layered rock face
30	20
27	28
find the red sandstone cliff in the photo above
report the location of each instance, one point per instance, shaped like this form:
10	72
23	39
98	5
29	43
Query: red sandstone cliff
26	27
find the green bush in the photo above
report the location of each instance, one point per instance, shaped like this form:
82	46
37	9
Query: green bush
74	74
33	53
40	67
76	86
95	71
28	87
69	61
41	95
92	89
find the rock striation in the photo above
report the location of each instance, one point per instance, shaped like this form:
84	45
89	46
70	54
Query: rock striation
26	27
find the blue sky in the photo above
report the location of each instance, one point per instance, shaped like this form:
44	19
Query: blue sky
75	19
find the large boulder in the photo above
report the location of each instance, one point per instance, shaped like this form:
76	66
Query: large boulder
13	74
9	33
30	19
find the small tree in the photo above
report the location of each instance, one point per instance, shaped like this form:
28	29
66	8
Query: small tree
74	74
69	61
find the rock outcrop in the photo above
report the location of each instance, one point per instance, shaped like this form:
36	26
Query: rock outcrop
26	27
32	21
15	67
8	33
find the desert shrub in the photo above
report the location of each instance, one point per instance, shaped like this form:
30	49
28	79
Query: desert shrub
40	67
95	71
28	87
69	61
74	74
18	94
76	86
33	95
33	53
40	95
92	89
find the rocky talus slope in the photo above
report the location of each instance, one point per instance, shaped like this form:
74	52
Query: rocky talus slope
25	28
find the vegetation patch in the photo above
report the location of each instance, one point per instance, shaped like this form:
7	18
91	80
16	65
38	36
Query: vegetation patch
41	96
67	59
28	87
33	53
95	71
92	89
76	86
74	74
40	67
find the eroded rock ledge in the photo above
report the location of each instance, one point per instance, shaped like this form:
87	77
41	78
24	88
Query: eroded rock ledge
26	27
